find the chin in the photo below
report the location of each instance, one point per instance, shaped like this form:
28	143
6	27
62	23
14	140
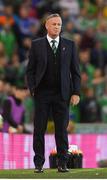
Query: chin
57	34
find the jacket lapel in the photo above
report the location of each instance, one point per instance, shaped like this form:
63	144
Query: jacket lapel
43	50
63	51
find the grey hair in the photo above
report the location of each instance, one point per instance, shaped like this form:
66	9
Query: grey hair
51	16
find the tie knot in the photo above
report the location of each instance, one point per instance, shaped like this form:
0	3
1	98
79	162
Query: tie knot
53	41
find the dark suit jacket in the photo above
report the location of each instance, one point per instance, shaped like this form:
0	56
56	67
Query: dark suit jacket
70	72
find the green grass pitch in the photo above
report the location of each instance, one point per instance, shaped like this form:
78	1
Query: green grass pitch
99	173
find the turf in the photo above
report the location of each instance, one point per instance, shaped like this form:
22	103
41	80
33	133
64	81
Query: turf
53	174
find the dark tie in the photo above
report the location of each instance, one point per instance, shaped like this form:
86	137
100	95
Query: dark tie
54	49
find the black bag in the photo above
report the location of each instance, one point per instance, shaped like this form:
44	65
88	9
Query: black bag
53	161
74	161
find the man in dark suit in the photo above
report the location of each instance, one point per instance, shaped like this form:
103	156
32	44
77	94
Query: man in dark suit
53	77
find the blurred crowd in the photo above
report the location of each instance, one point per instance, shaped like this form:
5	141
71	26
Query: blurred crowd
85	22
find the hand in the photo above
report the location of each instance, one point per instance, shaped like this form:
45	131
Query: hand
12	129
20	128
74	100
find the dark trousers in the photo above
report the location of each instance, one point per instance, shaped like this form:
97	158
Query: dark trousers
60	112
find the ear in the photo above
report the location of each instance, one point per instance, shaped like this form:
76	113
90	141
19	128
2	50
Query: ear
46	26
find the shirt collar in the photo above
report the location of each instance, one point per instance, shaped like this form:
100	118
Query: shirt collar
50	39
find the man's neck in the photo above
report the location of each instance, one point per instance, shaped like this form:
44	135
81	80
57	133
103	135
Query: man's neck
53	37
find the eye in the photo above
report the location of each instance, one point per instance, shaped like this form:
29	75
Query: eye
54	24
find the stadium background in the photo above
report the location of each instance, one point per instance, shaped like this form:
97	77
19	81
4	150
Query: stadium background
86	23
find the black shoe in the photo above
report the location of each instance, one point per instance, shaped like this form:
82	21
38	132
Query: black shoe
63	168
38	169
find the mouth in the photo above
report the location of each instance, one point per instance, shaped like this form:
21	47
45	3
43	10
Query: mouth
56	31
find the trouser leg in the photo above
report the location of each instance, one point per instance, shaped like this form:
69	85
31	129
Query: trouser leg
60	111
40	125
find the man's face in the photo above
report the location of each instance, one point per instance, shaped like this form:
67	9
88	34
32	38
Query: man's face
53	26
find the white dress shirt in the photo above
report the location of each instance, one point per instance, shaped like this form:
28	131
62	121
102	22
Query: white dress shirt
56	40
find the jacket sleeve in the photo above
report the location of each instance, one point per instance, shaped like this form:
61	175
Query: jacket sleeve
75	71
31	69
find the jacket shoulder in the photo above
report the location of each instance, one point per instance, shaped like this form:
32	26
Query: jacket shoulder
38	40
67	40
